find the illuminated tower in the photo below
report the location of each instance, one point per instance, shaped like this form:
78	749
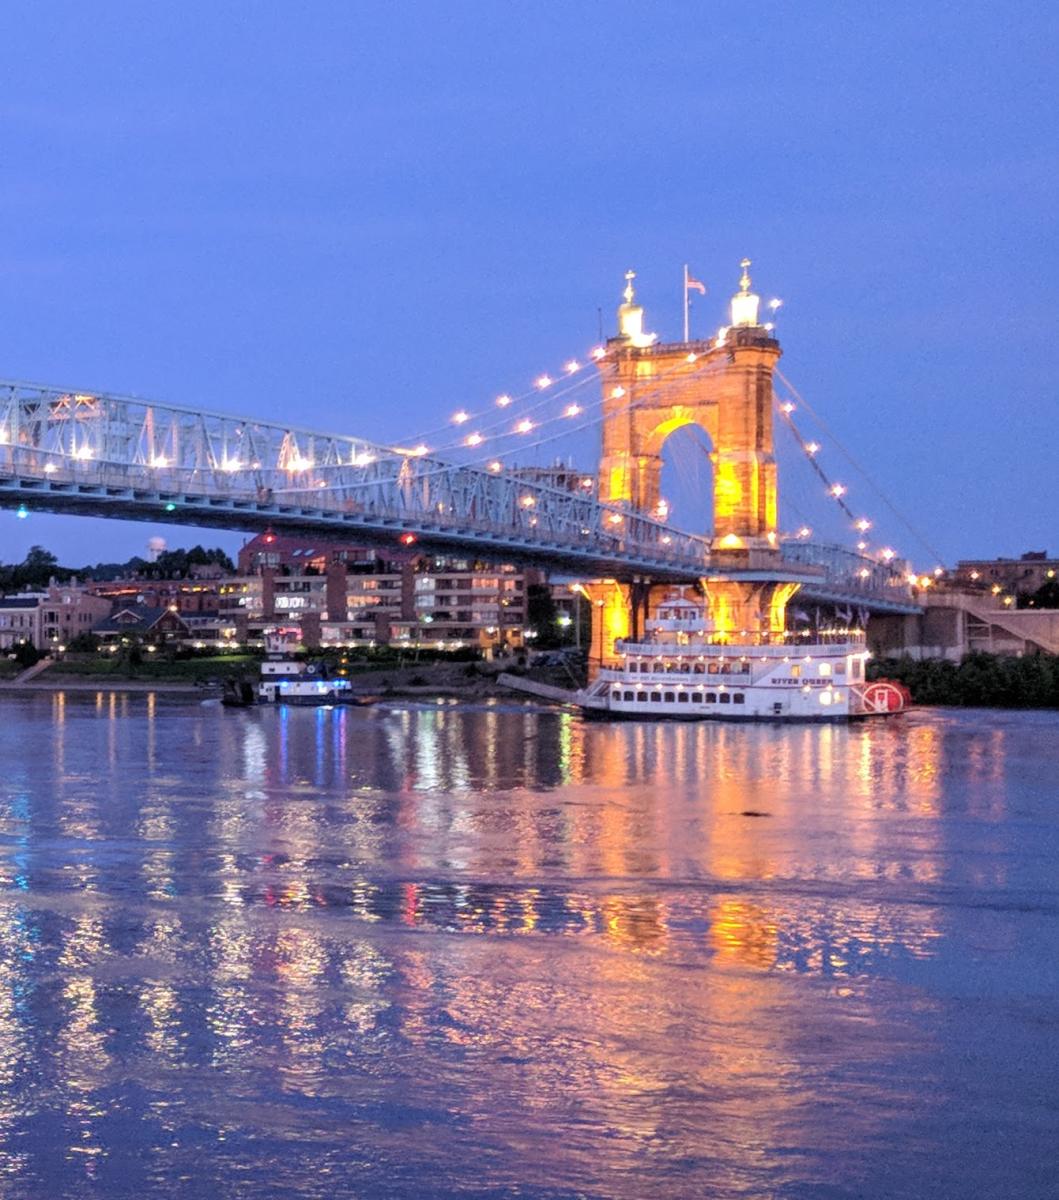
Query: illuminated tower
723	385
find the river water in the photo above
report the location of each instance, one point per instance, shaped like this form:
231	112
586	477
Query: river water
446	950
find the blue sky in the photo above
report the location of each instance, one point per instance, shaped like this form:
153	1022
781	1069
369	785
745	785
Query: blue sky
371	215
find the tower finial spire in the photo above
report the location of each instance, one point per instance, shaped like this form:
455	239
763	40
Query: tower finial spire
744	302
630	316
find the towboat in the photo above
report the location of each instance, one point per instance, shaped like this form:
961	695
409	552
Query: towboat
684	668
287	678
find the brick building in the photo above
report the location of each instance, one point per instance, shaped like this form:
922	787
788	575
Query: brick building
1013	575
342	594
50	618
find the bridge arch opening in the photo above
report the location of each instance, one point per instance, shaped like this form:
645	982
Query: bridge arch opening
686	476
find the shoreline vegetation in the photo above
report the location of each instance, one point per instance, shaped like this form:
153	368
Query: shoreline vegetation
977	681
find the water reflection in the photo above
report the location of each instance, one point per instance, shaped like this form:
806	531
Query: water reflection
492	943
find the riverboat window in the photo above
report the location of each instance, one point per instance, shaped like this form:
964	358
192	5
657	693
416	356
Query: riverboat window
669	697
699	668
825	668
743	668
628	697
711	697
682	697
685	667
796	670
738	698
656	697
616	693
696	697
840	667
656	665
855	669
715	668
672	668
641	697
725	698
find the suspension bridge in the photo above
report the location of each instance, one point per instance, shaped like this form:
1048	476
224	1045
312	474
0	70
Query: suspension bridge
98	454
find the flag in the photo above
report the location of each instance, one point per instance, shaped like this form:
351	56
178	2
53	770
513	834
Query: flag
690	283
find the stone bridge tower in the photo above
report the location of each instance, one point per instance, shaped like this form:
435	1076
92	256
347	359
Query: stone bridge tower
723	385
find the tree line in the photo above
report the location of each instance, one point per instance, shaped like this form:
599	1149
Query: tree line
40	565
978	680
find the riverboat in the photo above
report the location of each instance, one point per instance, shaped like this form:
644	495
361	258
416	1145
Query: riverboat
287	678
685	669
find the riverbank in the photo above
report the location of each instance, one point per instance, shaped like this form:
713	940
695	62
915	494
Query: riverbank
457	681
56	683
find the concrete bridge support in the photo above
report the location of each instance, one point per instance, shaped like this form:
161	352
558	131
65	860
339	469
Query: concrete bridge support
955	623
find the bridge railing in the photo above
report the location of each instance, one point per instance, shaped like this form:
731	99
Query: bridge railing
847	570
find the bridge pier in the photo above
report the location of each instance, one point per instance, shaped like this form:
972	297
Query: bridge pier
737	609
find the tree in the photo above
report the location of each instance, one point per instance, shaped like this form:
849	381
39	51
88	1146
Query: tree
1046	596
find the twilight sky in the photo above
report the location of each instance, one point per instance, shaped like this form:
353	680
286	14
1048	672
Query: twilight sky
370	215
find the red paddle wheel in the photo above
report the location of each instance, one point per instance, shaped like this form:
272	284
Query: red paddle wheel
885	696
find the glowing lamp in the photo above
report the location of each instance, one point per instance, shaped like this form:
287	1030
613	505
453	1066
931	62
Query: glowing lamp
407	539
503	401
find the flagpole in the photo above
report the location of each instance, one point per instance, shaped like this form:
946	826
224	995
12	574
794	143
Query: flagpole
685	302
